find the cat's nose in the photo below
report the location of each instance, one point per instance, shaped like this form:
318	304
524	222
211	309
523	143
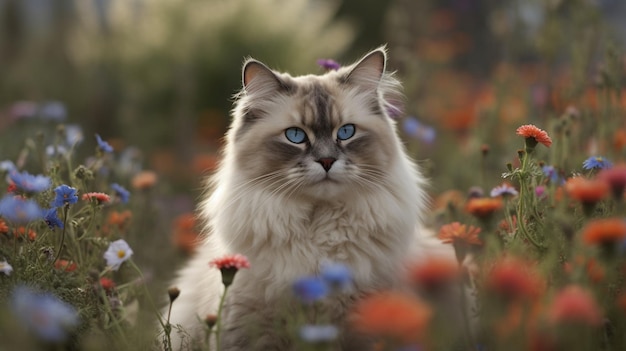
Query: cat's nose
327	162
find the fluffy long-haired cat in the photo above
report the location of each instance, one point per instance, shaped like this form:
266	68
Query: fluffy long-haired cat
313	171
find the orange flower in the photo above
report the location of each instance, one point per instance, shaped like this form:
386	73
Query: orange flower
621	302
3	227
456	232
483	207
185	235
619	140
587	191
604	231
515	279
392	315
534	135
117	220
144	180
20	232
65	265
434	273
574	304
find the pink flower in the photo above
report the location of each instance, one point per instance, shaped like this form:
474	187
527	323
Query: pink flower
229	265
574	304
236	261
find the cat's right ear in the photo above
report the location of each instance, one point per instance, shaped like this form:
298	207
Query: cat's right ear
258	79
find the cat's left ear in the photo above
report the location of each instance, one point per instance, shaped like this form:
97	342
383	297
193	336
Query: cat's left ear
367	73
257	78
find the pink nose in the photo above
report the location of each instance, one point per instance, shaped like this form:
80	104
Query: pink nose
327	162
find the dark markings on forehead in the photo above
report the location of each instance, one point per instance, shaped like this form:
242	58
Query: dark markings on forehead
318	109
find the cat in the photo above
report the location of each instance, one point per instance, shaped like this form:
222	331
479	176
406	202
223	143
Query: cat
313	171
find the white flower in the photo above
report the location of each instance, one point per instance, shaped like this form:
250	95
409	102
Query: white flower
117	253
318	333
5	267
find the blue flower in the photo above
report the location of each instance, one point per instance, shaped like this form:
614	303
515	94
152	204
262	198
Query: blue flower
7	166
121	192
337	275
318	333
43	314
597	162
310	289
103	145
30	183
413	128
19	210
551	173
53	111
51	218
328	64
65	195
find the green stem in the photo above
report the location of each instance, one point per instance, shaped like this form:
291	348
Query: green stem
218	326
521	204
65	212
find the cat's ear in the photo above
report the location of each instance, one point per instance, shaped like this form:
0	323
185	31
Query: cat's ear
257	78
367	73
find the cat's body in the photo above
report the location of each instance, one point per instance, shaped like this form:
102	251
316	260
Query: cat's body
345	191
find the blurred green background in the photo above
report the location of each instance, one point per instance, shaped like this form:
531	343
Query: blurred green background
156	77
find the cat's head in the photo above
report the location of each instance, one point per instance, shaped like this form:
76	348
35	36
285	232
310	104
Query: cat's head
319	136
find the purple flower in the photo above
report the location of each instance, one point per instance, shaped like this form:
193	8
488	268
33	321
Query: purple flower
103	145
43	314
318	333
65	195
504	190
597	162
29	183
328	64
121	192
19	210
51	218
540	191
337	275
310	289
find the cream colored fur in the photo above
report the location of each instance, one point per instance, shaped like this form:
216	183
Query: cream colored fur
289	222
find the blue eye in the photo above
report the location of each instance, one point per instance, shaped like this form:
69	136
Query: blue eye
346	132
295	135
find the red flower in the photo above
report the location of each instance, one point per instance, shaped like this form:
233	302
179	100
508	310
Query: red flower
604	231
107	284
100	197
20	232
530	131
3	227
392	315
434	273
515	279
574	304
65	265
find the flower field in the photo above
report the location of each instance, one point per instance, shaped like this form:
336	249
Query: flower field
514	111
